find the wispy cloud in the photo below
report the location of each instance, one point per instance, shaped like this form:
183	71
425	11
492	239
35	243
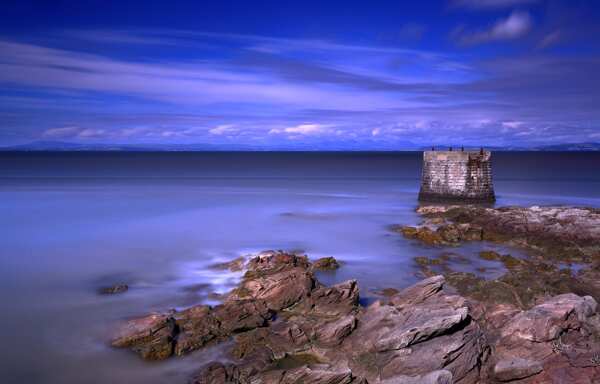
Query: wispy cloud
516	25
223	130
312	91
304	129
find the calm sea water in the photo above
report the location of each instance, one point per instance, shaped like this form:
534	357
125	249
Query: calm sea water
71	222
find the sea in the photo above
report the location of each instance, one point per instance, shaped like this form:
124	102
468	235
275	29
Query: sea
72	222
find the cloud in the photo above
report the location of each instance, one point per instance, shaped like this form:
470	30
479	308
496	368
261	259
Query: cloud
512	124
89	133
490	4
550	39
74	132
222	130
514	26
303	129
331	94
61	133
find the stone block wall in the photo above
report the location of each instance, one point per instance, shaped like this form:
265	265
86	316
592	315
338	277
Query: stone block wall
457	175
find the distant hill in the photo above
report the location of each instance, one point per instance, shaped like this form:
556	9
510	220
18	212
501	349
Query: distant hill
572	147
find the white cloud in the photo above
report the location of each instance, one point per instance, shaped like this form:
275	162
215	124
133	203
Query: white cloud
512	124
516	25
91	133
61	133
222	129
303	129
376	132
74	132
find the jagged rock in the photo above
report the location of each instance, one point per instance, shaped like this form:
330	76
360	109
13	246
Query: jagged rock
234	265
325	264
218	373
423	234
490	255
423	329
554	340
152	336
545	322
334	332
308	375
564	233
516	368
450	233
418	292
437	377
278	279
283	333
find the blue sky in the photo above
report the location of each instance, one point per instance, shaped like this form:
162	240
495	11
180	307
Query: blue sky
310	74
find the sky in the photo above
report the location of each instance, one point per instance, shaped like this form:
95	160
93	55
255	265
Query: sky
301	74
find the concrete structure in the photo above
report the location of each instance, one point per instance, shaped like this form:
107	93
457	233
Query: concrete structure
457	176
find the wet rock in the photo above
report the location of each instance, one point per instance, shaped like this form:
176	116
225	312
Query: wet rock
286	327
278	279
423	234
152	336
325	264
516	368
450	233
234	265
490	255
114	289
563	233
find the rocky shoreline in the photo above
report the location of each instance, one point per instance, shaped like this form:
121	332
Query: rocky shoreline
287	327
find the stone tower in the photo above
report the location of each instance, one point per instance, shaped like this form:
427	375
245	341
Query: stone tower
457	176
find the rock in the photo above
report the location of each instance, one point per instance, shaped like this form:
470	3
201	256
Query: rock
516	368
334	332
327	338
423	234
234	265
420	331
562	233
197	326
308	375
152	336
278	279
545	322
218	373
450	233
490	255
418	292
337	300
325	264
437	377
114	289
423	324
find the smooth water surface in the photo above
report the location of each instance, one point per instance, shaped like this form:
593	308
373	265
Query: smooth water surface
72	222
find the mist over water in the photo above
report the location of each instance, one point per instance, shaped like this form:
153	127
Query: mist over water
73	222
